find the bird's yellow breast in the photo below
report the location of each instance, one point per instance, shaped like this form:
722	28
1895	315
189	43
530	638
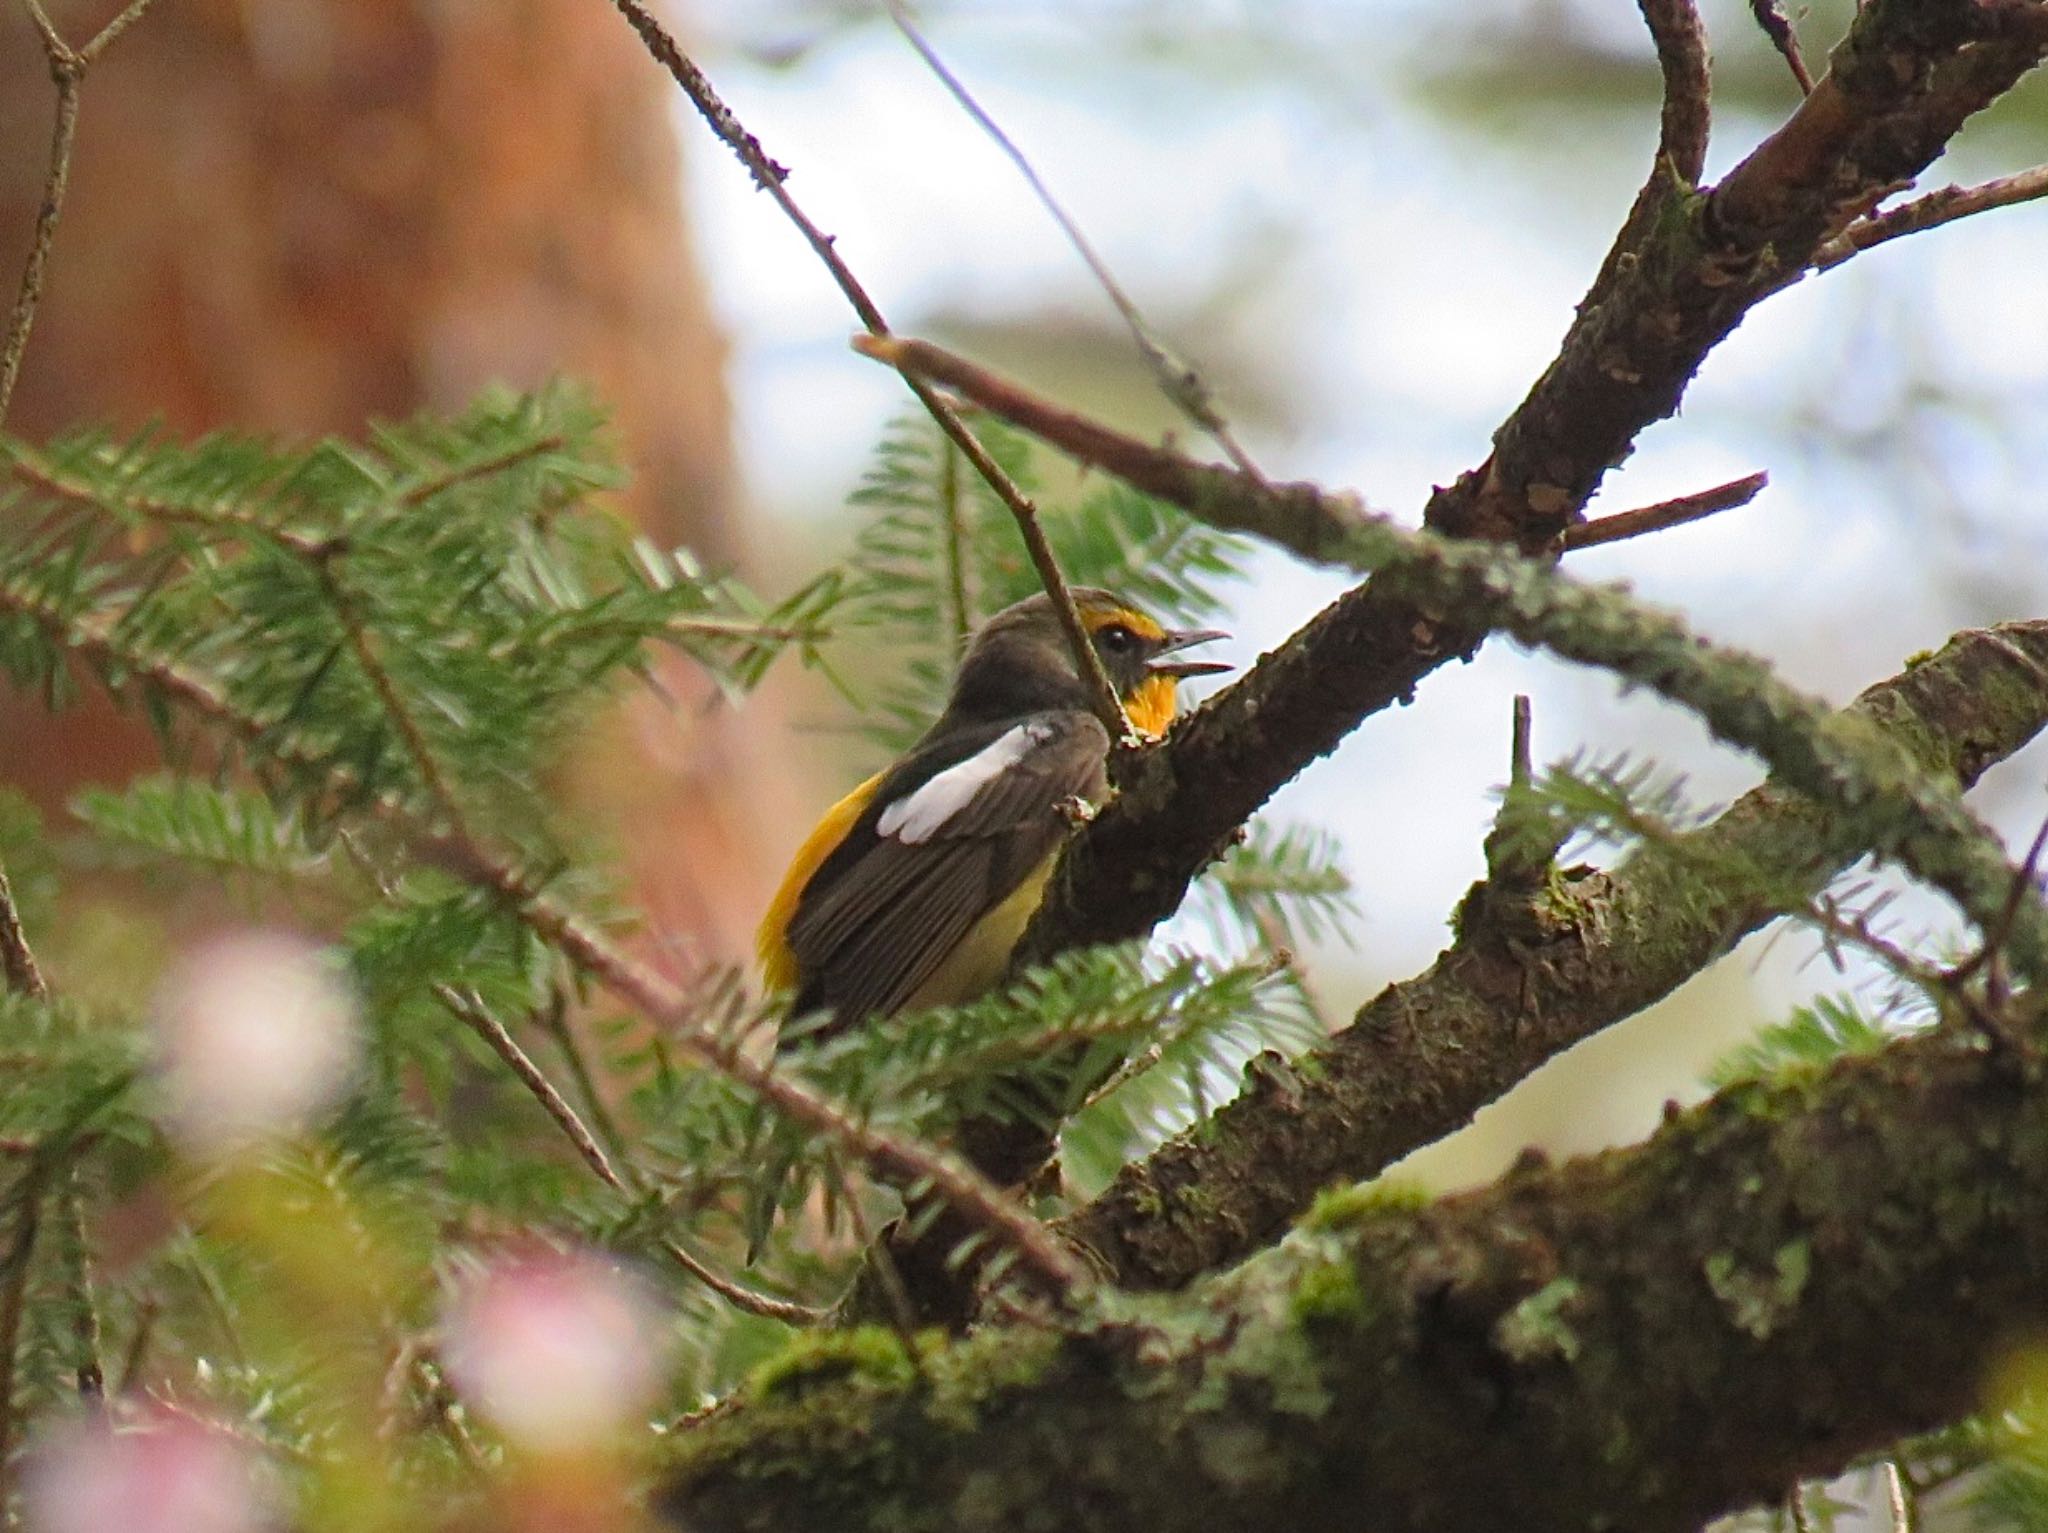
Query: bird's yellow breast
980	959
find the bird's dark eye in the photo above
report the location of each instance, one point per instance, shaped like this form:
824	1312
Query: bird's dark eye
1117	639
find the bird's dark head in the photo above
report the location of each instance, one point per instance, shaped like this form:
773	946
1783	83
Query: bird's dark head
1019	661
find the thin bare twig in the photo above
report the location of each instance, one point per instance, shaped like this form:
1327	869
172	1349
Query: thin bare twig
471	1011
63	132
1520	847
739	1295
1837	926
554	1021
104	38
1301	519
1102	694
1771	17
770	178
1520	728
1177	378
953	503
67	71
1897	1501
1666	513
17	961
1936	208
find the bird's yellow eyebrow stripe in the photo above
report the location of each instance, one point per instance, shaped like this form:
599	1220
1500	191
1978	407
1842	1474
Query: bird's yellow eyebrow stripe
1095	619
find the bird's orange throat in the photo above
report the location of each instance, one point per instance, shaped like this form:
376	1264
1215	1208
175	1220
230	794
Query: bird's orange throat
1150	706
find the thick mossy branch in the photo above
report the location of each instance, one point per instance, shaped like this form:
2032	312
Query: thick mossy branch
1789	1276
1906	78
1526	980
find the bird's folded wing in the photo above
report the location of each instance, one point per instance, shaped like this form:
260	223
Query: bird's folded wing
948	835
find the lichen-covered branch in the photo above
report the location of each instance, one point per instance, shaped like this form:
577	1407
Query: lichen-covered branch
1897	810
1883	800
1527	979
1778	1281
1902	83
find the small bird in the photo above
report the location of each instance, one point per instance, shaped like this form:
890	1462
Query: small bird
914	889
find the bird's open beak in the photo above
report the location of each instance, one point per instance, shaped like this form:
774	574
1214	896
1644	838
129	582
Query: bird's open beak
1181	639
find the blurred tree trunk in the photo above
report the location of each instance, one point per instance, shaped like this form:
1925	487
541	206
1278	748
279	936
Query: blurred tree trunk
299	215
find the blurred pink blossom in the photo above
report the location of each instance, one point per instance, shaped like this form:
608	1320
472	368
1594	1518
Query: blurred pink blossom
559	1350
170	1474
256	1031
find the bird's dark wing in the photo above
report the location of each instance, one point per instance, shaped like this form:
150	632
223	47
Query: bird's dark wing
955	828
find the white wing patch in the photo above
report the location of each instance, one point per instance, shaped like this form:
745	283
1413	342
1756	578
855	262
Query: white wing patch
917	817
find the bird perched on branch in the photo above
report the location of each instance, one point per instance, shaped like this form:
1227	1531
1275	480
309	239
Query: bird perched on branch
915	888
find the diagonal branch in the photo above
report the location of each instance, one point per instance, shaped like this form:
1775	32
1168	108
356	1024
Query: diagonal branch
472	1012
1901	812
1903	81
1665	514
1524	981
1303	518
1682	57
1931	211
1682	129
63	133
67	71
95	638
